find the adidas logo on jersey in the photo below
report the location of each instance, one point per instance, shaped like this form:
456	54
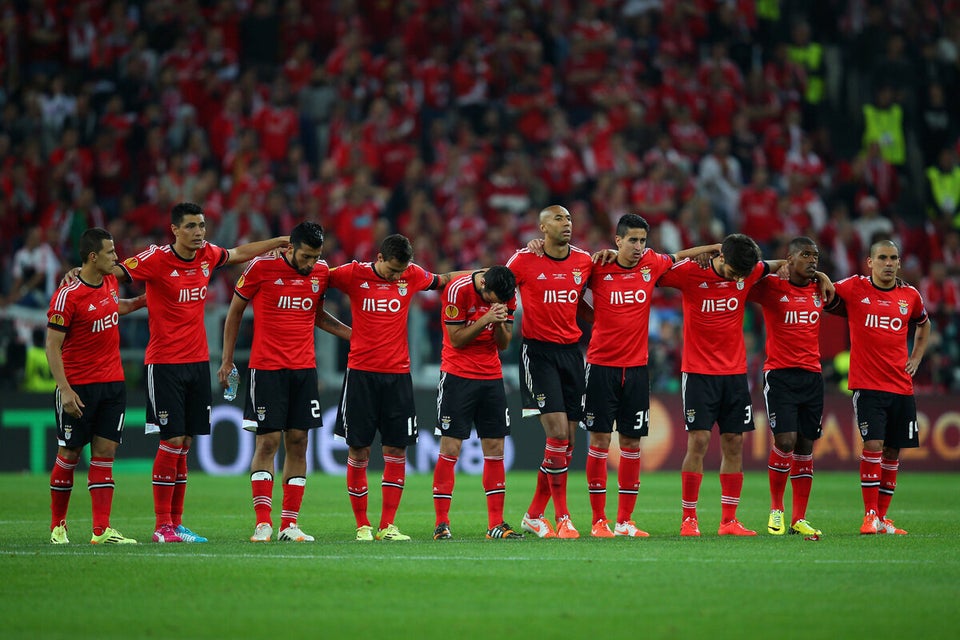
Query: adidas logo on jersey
174	274
541	277
704	285
364	285
279	281
91	308
608	277
784	299
866	300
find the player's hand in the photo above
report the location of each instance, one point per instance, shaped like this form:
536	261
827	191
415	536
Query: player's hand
536	246
70	276
604	256
496	313
827	290
703	259
72	404
783	272
912	365
223	372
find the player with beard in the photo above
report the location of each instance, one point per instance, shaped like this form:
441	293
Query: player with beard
283	401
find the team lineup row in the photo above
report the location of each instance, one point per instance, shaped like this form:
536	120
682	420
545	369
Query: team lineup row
557	283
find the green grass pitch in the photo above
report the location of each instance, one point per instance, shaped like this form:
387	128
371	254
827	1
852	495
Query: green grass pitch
844	586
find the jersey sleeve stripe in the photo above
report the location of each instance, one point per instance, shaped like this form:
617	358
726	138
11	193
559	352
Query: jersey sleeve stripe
61	301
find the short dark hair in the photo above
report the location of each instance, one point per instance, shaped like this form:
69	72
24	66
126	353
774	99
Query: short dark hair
501	282
798	243
883	242
91	241
396	246
184	209
631	221
307	233
741	253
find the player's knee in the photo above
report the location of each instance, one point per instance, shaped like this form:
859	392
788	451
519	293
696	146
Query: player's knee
600	440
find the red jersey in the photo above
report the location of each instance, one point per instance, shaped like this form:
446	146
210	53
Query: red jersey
176	292
712	317
549	291
621	308
285	303
88	315
878	320
792	317
379	310
480	358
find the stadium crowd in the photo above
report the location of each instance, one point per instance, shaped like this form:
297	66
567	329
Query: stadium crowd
454	122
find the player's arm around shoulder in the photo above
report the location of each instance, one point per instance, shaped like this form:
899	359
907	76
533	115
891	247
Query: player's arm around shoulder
331	324
129	305
251	250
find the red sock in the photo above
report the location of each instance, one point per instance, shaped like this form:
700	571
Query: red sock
555	465
100	485
164	480
888	483
870	479
597	481
394	472
731	486
541	495
801	479
690	492
179	489
628	480
61	486
357	490
495	486
262	484
443	480
292	499
778	469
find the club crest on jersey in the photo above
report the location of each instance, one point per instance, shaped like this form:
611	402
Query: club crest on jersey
57	319
205	268
116	298
402	287
691	415
163	417
445	423
315	285
645	272
904	307
451	311
816	300
131	263
740	284
240	282
577	276
541	400
261	413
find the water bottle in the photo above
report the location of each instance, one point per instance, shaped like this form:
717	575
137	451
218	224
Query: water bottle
233	381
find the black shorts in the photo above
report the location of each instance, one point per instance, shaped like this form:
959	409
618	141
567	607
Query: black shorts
617	394
105	404
794	399
282	399
372	402
178	399
890	417
463	403
724	400
551	379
